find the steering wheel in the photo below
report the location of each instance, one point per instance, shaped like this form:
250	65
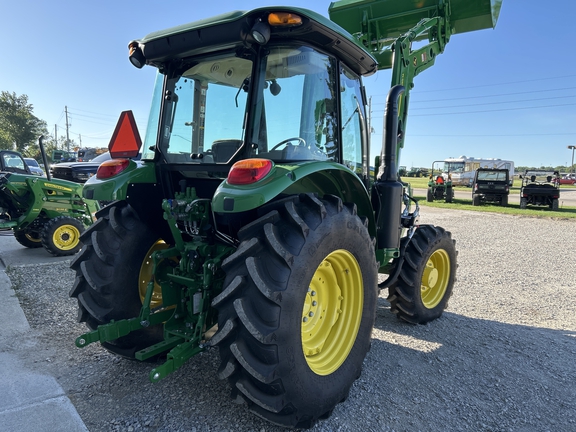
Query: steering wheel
301	142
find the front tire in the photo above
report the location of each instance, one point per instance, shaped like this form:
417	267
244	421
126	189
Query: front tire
61	236
108	269
429	195
296	315
427	276
523	203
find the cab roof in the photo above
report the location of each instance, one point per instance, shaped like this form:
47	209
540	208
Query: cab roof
230	30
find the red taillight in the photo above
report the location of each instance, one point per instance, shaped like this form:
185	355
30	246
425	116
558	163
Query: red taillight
111	167
249	171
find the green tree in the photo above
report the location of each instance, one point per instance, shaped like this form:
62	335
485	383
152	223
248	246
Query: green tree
19	127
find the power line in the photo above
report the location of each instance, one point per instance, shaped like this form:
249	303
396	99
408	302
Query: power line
493	103
412	102
497	84
488	85
485	111
92	112
495	110
493	135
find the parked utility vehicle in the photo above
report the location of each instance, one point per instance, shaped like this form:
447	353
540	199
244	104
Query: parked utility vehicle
491	185
540	188
463	168
251	222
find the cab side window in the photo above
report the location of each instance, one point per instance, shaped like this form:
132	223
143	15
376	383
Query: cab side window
352	115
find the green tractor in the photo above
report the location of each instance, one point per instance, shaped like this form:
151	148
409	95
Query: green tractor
439	187
41	211
252	223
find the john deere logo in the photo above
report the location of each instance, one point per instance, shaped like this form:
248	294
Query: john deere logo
62	188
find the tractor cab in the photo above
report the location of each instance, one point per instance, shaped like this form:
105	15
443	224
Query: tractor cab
267	87
261	87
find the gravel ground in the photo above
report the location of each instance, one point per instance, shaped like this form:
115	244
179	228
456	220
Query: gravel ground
501	358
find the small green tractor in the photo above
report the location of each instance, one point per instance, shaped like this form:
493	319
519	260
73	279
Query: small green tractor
439	187
252	223
41	211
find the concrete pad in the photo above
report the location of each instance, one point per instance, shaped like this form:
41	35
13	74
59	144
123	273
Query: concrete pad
12	319
50	415
29	401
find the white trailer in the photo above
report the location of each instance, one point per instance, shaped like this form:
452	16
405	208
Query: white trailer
462	169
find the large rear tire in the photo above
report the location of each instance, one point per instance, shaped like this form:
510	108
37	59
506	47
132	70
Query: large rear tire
427	276
108	269
296	314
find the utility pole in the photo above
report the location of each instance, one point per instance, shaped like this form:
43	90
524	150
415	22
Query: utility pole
67	126
56	136
572	147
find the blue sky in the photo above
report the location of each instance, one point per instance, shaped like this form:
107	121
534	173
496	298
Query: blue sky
507	93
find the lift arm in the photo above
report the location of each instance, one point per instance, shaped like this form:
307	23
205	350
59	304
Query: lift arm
388	28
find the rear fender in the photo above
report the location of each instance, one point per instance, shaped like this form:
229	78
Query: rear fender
292	179
116	187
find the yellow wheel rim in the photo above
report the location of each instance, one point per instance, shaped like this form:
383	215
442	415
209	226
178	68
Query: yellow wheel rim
332	312
146	274
435	278
66	237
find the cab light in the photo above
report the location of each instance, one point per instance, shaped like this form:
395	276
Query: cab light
284	19
135	55
111	167
249	171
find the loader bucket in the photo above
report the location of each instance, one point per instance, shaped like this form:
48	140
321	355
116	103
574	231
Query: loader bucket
388	19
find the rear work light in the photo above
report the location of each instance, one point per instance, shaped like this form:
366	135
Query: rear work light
111	167
249	171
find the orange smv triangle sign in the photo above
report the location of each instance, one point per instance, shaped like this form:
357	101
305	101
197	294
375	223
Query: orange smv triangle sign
125	141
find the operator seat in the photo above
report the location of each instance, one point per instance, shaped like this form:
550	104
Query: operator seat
223	150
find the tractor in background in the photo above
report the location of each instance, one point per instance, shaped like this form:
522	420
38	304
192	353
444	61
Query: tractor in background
41	211
439	187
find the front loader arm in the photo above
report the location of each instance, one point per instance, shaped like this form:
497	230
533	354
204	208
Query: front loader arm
388	28
408	63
